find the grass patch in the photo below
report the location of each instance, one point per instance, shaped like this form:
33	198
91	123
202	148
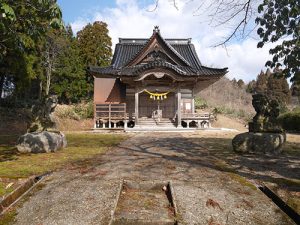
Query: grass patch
294	203
223	166
285	182
242	180
4	190
80	147
8	218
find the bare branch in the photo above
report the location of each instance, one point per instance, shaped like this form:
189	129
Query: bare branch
155	7
231	35
175	4
235	13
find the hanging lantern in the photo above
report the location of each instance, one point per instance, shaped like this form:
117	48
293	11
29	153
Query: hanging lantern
165	96
151	96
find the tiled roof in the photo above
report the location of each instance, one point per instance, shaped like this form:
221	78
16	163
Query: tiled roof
135	70
128	49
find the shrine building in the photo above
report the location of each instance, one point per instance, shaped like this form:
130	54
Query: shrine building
151	84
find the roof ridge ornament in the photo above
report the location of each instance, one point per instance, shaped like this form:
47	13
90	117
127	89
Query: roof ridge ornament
156	29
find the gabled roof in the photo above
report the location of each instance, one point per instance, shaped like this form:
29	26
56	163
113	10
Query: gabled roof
129	53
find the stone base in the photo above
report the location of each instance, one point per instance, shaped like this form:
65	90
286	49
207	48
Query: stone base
41	142
266	143
265	127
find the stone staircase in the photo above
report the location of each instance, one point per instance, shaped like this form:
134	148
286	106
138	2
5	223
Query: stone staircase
150	122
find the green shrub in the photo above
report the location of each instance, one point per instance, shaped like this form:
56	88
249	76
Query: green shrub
85	110
290	121
67	112
200	103
218	110
76	112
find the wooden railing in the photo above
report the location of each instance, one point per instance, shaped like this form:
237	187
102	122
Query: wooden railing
110	111
202	120
196	116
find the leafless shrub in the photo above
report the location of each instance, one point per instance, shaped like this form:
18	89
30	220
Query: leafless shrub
226	97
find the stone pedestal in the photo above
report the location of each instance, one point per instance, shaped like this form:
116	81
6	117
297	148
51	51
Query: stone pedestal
265	143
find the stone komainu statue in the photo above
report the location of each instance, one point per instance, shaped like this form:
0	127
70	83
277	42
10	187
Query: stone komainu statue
42	115
267	112
265	134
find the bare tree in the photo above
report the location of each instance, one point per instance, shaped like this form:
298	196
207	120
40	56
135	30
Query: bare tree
52	48
237	15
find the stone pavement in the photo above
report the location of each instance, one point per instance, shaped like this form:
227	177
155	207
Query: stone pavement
85	194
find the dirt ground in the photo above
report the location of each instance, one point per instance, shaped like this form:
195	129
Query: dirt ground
227	122
211	184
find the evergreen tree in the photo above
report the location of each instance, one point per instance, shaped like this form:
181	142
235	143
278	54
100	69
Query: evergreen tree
261	83
23	26
278	89
273	86
69	77
240	83
95	44
295	89
251	87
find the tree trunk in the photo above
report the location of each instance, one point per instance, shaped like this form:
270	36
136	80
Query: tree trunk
40	89
48	71
1	85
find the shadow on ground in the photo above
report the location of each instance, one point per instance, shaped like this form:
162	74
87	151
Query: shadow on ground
8	150
165	155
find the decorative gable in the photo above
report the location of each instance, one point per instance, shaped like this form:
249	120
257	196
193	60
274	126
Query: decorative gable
157	48
157	55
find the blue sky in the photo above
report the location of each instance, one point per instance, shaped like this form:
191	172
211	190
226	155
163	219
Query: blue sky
79	8
73	10
132	19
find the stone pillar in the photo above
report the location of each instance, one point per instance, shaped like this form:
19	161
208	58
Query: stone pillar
178	108
136	106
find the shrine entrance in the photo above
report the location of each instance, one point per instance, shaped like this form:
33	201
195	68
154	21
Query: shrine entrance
148	106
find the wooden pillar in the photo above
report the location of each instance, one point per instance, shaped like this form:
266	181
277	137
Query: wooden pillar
178	108
125	117
136	106
95	114
109	116
193	102
193	105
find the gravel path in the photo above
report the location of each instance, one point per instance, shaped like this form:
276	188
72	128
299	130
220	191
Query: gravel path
85	194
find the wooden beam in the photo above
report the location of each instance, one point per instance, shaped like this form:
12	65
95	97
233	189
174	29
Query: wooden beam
136	106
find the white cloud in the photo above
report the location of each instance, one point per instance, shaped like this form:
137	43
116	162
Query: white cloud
129	19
